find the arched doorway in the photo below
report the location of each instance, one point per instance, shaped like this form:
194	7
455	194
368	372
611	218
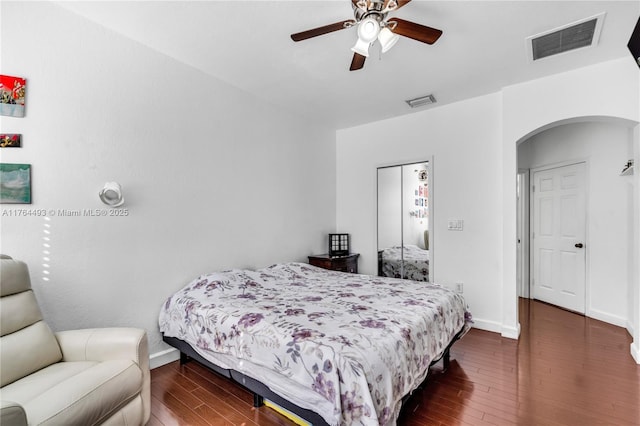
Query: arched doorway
594	278
632	320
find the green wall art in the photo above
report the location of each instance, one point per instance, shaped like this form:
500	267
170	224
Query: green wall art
15	183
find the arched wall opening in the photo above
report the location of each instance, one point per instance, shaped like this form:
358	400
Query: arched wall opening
602	146
627	292
608	90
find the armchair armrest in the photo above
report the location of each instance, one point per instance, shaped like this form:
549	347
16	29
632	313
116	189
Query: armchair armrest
12	413
103	344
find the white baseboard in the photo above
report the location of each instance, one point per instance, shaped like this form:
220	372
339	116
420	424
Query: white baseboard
486	325
630	328
635	352
511	332
496	327
606	317
161	358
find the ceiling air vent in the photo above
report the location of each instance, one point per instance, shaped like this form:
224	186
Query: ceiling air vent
584	33
421	101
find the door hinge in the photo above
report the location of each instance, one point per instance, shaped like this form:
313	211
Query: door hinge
533	189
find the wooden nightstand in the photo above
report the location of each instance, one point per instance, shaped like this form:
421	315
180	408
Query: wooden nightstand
348	263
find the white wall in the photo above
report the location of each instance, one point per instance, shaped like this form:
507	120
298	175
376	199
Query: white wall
212	177
457	136
605	147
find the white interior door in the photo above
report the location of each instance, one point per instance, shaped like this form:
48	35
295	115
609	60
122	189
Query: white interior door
559	228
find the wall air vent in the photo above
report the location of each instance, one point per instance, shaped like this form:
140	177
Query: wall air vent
584	33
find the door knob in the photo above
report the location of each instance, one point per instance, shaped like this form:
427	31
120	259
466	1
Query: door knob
579	245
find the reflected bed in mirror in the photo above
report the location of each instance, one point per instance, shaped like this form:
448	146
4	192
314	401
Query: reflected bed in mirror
404	203
410	262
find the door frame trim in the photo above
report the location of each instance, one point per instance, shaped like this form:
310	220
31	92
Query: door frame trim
587	260
523	217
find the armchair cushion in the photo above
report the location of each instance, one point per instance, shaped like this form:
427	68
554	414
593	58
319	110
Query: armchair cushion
27	341
27	351
76	393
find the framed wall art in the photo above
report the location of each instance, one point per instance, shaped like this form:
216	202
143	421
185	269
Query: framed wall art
10	140
12	95
15	183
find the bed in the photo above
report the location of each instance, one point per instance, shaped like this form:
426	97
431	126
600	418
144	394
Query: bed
332	347
411	263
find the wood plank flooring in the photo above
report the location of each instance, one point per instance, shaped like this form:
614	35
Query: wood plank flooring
565	369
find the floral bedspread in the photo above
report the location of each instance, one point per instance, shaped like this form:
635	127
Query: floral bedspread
414	259
358	342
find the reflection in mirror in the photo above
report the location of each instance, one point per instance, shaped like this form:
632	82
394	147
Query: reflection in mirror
403	221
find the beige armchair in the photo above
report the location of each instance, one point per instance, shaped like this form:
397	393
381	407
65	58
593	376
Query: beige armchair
79	377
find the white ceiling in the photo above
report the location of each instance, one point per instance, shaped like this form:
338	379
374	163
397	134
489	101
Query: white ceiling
247	44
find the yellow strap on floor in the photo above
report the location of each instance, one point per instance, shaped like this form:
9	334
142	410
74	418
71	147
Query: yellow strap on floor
288	414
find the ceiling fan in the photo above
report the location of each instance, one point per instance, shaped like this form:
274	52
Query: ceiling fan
370	16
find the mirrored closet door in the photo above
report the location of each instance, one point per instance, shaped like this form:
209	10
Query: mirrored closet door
403	221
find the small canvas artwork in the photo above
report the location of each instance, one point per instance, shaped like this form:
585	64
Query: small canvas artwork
12	96
15	183
10	140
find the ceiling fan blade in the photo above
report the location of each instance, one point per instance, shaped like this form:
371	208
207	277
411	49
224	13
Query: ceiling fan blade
357	62
322	30
415	31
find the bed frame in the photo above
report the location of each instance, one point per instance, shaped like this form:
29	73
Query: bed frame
261	391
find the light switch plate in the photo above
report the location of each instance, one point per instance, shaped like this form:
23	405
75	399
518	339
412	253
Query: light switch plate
455	225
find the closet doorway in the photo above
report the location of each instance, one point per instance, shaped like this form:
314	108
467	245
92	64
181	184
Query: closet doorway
404	216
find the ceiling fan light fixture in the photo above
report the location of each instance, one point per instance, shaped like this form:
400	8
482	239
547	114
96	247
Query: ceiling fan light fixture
361	48
387	39
368	30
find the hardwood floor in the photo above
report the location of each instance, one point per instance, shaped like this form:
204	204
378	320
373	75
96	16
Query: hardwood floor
565	369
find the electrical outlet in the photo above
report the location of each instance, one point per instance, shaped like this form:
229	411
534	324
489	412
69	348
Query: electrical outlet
459	287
